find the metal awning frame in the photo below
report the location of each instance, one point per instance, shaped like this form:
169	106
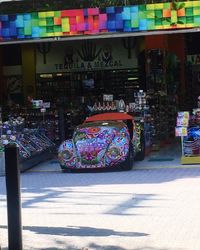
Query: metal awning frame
101	36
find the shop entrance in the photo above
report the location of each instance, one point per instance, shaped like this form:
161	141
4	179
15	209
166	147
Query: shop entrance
78	81
157	74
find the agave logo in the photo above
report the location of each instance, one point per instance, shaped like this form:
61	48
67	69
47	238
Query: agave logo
89	57
88	51
107	54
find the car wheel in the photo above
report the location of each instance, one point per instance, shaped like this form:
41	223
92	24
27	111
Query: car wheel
141	155
128	163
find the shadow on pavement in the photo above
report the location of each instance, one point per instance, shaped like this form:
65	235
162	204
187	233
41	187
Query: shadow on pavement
48	196
40	182
80	231
98	247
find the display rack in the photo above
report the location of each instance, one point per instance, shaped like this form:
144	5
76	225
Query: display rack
69	88
34	145
162	84
54	87
191	146
47	122
122	83
75	90
141	113
188	128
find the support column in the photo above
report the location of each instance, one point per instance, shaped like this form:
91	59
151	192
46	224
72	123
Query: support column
28	70
176	45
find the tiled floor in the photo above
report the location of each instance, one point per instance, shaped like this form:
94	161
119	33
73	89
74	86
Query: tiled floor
169	156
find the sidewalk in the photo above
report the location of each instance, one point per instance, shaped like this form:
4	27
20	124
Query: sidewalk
154	209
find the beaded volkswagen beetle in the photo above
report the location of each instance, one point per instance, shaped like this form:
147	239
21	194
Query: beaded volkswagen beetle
103	141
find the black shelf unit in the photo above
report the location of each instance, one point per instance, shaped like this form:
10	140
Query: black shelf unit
72	92
69	87
53	87
161	83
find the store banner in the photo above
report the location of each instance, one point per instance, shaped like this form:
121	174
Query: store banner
181	131
86	55
182	119
182	124
96	21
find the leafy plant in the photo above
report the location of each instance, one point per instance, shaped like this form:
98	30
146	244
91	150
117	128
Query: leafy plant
88	51
177	6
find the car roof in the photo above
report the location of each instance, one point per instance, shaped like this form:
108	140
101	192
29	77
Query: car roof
117	124
109	117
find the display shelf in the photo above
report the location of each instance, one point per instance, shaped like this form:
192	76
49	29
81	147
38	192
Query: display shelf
33	144
53	87
141	114
74	91
122	83
188	128
48	122
68	87
161	89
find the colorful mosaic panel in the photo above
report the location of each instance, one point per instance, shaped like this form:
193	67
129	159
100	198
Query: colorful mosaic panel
88	21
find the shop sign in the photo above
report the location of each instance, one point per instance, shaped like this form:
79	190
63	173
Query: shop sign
107	98
183	119
193	59
86	56
181	131
182	123
83	66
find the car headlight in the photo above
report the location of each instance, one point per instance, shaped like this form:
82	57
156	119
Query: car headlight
66	155
113	153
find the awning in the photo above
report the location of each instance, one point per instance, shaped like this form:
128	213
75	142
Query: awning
102	36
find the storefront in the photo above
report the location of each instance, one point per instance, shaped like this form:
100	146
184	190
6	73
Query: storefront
92	67
75	74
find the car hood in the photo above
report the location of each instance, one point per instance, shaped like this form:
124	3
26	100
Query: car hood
92	140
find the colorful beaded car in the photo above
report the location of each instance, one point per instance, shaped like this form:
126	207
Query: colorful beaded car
103	141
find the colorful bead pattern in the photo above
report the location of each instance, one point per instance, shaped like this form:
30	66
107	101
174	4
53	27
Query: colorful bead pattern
88	21
136	137
95	147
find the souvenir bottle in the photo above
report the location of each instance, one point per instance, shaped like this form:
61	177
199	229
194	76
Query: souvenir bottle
113	106
108	107
104	106
99	106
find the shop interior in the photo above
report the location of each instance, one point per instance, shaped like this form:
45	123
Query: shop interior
152	93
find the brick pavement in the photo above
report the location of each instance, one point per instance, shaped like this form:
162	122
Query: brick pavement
155	209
